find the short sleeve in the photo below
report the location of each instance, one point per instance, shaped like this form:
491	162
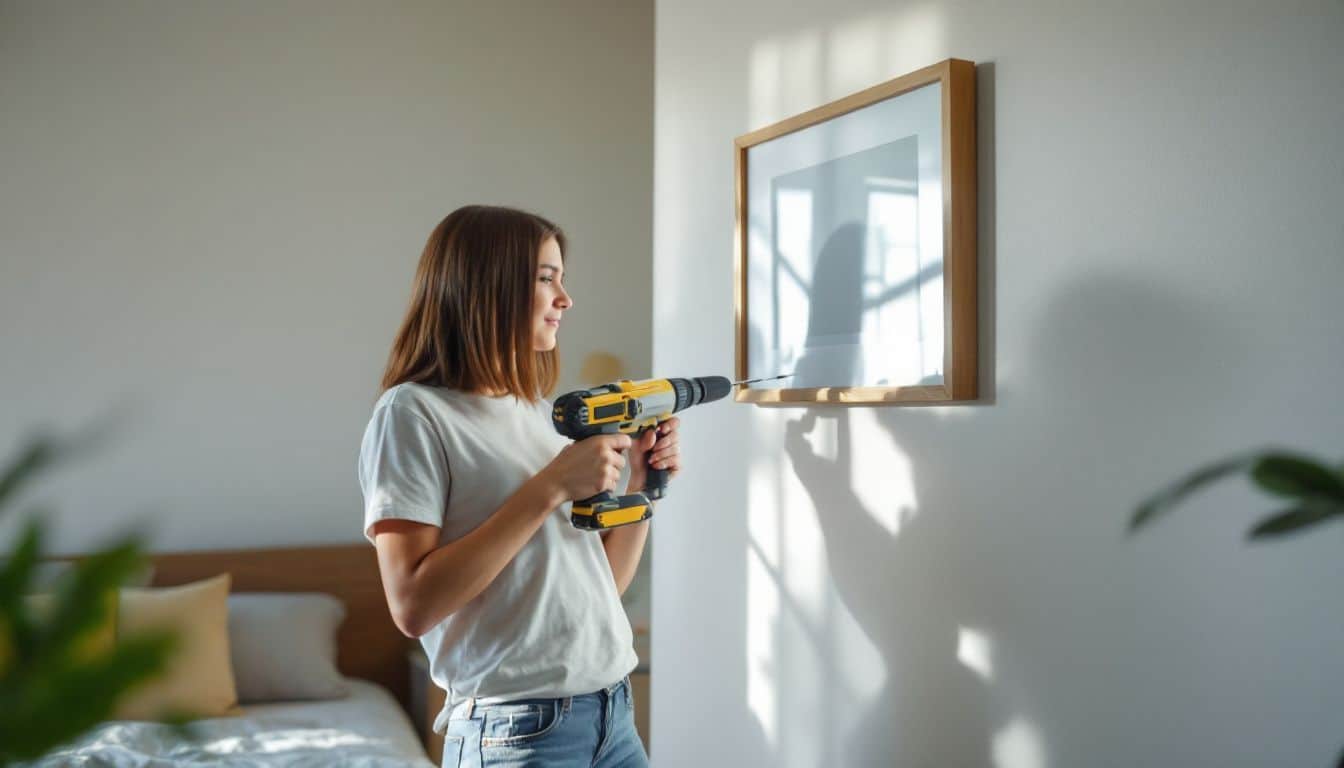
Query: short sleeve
403	470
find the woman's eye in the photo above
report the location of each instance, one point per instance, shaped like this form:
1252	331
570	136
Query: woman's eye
547	279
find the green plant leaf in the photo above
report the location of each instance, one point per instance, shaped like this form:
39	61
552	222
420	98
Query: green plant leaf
1163	501
1311	513
39	455
40	713
16	575
84	599
1284	474
51	688
16	571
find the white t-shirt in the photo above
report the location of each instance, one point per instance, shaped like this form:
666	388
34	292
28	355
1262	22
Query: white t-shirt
551	623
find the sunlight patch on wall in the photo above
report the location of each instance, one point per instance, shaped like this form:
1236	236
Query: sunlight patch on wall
803	566
762	624
1018	745
974	651
763	502
854	56
914	39
765	513
785	78
764	83
881	473
793	74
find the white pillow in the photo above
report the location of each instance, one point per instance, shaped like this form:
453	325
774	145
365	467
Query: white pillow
284	646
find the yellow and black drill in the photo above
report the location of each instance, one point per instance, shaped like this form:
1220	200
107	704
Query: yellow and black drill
632	407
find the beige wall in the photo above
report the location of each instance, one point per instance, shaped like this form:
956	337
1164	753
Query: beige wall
210	214
1162	256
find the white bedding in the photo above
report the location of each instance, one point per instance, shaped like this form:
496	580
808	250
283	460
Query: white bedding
369	729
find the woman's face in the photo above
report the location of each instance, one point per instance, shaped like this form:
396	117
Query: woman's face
550	298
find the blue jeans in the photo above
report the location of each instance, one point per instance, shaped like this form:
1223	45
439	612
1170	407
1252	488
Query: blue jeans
594	730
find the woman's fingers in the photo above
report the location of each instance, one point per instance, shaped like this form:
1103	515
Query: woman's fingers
663	453
668	455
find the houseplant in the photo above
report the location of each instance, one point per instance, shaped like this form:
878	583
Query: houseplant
1312	492
55	684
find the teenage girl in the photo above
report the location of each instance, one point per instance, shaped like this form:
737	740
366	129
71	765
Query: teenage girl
466	499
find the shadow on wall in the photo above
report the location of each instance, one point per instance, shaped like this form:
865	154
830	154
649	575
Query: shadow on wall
989	606
930	707
976	553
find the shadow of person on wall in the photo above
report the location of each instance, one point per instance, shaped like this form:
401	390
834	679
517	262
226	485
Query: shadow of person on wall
931	710
1061	463
831	351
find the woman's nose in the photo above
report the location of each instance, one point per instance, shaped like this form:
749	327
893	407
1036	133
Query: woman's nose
565	300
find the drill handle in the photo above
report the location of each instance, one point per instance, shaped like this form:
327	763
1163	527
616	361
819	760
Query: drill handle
655	480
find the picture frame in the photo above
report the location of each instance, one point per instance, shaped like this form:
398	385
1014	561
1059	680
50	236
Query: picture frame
855	247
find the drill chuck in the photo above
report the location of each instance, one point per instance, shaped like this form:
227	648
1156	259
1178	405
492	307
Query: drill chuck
701	389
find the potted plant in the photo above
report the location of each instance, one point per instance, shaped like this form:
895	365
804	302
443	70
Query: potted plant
1312	493
55	684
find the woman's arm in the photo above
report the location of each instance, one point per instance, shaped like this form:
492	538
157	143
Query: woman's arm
625	547
425	583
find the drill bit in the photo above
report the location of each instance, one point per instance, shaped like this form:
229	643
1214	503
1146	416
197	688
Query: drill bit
767	378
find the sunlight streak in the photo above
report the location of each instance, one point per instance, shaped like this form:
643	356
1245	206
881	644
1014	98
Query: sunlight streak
914	39
804	570
880	473
785	78
1018	745
764	77
855	55
763	502
974	651
762	621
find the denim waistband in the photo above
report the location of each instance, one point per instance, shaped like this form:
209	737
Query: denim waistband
466	708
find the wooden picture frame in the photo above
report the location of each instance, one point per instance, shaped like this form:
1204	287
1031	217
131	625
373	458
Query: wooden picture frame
886	177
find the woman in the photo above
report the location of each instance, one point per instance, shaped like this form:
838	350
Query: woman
466	486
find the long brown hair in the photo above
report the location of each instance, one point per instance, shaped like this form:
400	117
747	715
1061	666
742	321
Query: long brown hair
469	324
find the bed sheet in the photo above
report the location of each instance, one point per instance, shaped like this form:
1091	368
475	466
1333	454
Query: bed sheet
367	729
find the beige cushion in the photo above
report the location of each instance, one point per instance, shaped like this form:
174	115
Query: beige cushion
199	677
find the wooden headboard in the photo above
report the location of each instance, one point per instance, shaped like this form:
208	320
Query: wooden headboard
369	645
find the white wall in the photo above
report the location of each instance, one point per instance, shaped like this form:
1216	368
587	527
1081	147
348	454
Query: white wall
1162	256
210	214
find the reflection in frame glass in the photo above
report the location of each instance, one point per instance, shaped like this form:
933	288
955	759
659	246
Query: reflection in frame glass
855	246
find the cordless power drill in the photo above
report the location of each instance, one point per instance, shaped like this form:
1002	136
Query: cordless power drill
633	408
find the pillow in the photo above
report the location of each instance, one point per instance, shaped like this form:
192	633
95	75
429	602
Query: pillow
198	679
284	646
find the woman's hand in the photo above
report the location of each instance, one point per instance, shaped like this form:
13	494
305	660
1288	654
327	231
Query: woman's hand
660	446
587	467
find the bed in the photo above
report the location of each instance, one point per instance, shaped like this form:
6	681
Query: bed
371	726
